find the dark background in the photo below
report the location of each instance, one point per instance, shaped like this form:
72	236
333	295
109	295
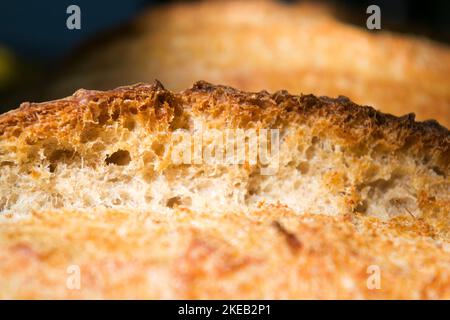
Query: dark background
34	39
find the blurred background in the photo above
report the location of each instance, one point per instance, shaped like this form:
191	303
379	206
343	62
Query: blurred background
305	47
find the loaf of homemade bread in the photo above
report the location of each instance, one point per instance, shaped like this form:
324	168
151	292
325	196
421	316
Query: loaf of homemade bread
254	45
218	193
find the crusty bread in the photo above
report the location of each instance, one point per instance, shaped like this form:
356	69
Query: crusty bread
255	45
91	180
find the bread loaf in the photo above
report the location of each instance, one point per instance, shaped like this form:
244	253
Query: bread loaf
139	189
254	45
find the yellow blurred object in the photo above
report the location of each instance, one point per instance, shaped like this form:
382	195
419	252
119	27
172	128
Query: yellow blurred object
8	66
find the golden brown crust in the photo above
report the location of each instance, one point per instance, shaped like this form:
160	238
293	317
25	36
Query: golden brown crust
59	113
234	108
341	112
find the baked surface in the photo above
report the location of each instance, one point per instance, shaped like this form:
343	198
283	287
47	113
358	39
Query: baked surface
88	181
256	45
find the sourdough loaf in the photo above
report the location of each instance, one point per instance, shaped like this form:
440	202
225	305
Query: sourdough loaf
254	45
95	180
